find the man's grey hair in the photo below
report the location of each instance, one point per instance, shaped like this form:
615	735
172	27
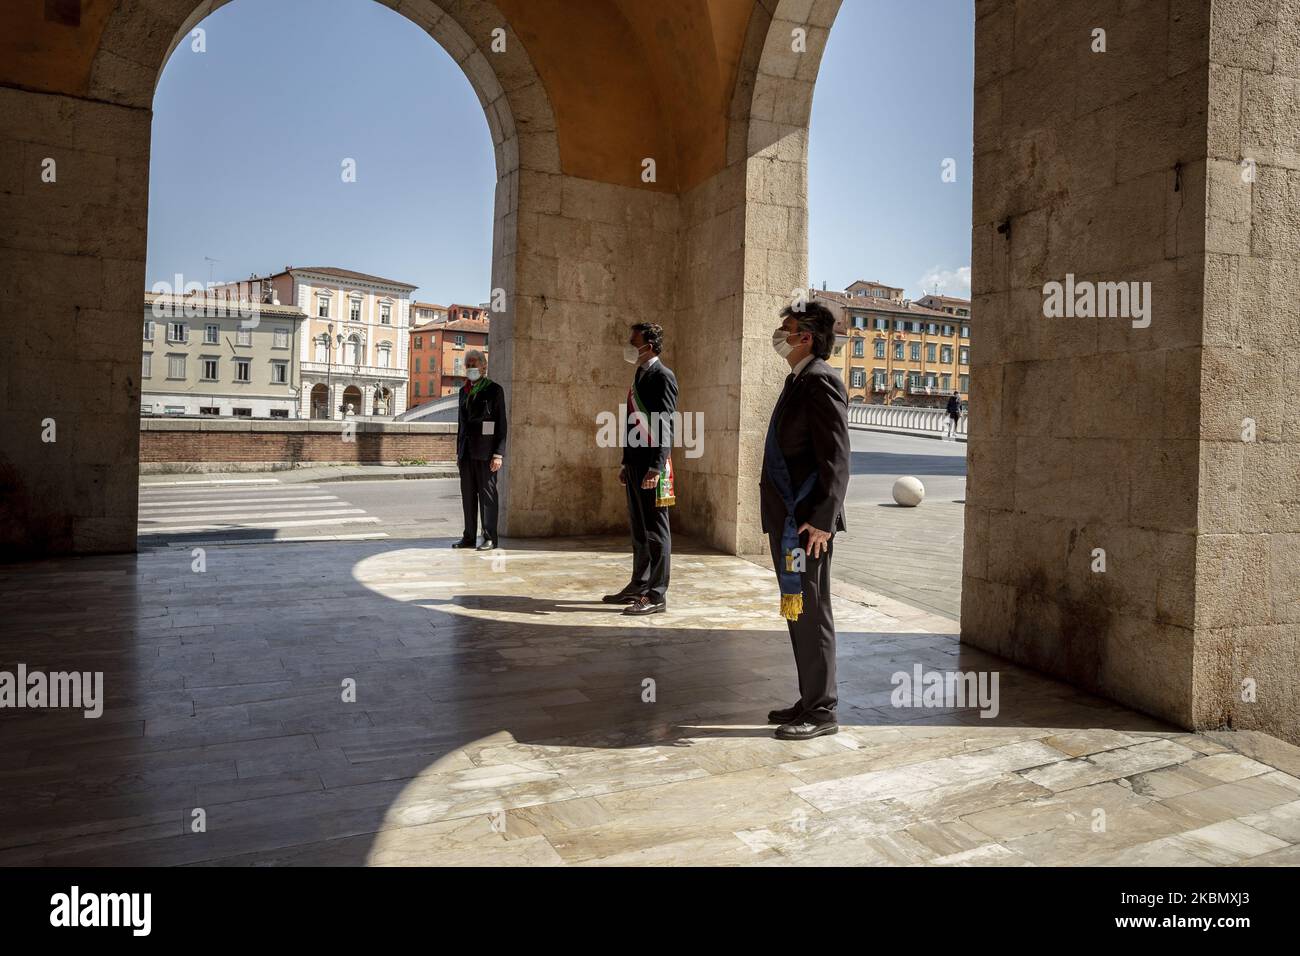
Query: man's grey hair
475	353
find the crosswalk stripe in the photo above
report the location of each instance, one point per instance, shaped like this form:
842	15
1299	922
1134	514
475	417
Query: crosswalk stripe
253	505
263	515
215	481
256	525
187	498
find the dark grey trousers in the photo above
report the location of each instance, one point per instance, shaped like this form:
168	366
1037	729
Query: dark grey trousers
478	497
652	540
812	636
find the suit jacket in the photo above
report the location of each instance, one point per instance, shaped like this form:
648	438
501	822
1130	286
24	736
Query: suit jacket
657	386
472	416
813	431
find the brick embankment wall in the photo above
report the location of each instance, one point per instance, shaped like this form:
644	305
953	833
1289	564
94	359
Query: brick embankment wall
285	444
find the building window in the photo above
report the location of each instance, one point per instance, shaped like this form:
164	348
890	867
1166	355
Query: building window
242	370
460	340
417	364
945	383
929	352
930	382
878	379
281	340
242	412
176	366
880	348
932	329
858	347
916	351
914	381
458	368
382	356
385	314
965	331
415	389
900	379
279	413
947	330
964	356
211	334
898	325
963	312
243	336
964	387
209	370
354	350
146	368
419	341
898	351
322	354
323	306
858	378
177	332
354	310
148	330
918	326
209	410
946	354
279	373
174	410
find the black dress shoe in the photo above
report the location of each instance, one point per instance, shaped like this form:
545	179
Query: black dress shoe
643	605
486	545
786	715
621	597
806	730
463	544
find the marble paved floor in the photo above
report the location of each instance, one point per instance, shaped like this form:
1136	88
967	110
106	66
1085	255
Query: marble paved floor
502	717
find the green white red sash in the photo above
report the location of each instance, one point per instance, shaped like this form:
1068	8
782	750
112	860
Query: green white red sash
665	490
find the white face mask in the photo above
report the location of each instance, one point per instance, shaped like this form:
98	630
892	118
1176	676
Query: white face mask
631	354
473	374
783	348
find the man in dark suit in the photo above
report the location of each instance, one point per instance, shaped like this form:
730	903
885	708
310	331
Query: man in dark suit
647	450
480	439
806	462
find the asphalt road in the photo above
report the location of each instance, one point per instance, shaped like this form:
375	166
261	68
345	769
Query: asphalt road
913	554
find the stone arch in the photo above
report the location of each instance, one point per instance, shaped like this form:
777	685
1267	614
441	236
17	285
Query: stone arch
137	40
744	237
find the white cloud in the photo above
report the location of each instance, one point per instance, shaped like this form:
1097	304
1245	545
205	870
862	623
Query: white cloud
949	281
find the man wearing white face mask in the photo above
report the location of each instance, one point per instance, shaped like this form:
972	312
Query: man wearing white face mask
801	491
480	440
646	471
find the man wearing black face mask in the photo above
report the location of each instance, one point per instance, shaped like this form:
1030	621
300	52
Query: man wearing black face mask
804	479
646	471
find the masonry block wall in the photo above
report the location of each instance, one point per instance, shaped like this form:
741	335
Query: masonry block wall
71	270
165	441
1084	441
1245	670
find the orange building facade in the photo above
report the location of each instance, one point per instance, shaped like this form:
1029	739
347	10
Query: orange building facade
437	356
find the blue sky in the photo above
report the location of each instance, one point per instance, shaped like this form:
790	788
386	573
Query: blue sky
249	137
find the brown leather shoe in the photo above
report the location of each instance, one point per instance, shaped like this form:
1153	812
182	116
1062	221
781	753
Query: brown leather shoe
643	605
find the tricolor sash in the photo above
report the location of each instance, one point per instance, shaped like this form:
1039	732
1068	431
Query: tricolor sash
779	474
665	490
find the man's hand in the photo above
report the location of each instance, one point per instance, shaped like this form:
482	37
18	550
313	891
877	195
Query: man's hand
650	479
817	539
496	463
622	474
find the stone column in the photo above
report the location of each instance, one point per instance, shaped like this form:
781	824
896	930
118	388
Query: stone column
1120	531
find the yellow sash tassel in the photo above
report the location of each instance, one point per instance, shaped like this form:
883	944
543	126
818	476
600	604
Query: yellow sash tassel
791	606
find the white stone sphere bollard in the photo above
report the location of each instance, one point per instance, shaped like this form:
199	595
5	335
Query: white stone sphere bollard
908	491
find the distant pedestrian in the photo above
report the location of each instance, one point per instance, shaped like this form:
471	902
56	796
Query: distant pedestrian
954	416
